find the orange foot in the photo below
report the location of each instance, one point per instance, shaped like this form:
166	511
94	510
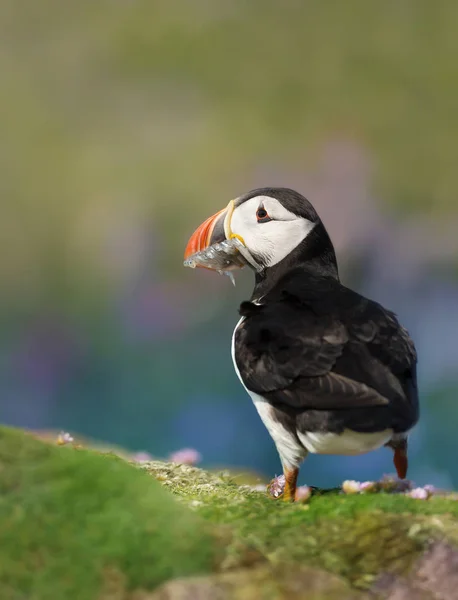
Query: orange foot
285	487
401	462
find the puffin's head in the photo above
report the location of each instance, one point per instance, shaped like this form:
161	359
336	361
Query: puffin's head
271	222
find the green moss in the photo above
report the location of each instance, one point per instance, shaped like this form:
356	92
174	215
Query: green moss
77	524
355	536
71	520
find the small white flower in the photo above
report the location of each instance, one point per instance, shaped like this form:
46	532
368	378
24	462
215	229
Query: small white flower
64	438
351	487
419	494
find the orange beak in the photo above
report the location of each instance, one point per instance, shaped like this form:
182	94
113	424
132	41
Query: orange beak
201	238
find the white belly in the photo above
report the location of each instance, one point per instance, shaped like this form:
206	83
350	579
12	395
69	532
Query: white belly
348	442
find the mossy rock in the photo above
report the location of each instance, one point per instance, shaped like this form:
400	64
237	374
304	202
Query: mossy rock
78	524
261	583
355	537
74	523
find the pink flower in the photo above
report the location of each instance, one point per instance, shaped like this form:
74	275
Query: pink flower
303	493
142	457
368	487
186	456
277	486
419	494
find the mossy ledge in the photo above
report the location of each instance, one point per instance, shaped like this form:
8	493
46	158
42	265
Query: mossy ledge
79	524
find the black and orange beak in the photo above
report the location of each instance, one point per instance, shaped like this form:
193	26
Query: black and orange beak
210	232
214	230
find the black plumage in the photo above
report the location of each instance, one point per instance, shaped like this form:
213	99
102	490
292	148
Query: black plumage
325	355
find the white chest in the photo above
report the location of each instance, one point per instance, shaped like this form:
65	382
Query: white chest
233	352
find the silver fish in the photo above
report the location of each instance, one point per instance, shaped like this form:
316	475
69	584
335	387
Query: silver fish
223	258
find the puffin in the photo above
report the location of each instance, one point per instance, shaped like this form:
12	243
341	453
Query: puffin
329	371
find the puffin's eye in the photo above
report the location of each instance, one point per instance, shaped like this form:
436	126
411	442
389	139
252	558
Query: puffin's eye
262	215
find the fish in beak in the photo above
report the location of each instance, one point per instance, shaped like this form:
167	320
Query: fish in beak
214	246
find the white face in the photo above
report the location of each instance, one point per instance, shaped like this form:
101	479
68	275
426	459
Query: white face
272	239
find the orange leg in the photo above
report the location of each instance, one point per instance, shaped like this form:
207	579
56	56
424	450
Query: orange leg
284	486
400	461
289	494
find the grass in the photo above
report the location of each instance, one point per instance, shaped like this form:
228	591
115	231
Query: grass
79	524
354	536
73	522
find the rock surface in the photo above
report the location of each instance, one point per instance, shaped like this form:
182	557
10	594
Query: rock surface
81	524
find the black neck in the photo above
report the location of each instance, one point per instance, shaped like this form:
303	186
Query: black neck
315	254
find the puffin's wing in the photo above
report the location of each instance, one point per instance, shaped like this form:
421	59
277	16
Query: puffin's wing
290	355
390	352
306	353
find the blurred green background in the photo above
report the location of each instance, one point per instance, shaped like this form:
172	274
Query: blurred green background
125	123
